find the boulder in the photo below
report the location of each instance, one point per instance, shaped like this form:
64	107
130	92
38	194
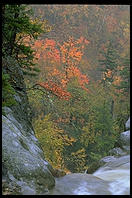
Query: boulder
124	139
118	162
117	152
22	158
106	159
128	124
126	149
80	184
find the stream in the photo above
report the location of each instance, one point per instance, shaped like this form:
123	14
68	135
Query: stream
111	179
118	174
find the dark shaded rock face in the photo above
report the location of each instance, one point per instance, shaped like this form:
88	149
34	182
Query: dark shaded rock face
58	172
23	164
21	111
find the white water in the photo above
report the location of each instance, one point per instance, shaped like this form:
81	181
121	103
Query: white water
119	178
111	179
82	189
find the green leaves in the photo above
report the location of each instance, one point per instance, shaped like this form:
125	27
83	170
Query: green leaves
7	91
52	139
18	24
109	63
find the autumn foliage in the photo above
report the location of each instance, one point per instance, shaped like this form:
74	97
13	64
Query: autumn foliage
64	60
55	89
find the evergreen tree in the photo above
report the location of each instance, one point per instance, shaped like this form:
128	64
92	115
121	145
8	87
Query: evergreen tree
7	91
17	24
108	63
125	75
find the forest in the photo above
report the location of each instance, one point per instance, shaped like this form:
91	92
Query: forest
75	61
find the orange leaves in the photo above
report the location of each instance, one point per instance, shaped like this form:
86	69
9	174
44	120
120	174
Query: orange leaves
55	89
82	79
108	73
117	80
78	55
38	44
47	50
82	40
75	54
86	41
55	72
37	55
70	54
70	51
50	42
64	83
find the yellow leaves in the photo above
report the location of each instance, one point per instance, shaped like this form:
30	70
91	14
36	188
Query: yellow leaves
68	140
126	29
23	38
52	139
80	153
44	24
122	23
88	135
126	32
79	159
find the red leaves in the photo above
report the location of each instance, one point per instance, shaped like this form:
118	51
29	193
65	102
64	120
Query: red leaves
55	89
50	42
82	40
82	78
70	54
72	50
38	44
46	49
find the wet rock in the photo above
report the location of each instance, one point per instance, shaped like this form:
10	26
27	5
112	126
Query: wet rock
124	139
118	162
126	149
80	184
117	152
23	159
106	159
128	124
